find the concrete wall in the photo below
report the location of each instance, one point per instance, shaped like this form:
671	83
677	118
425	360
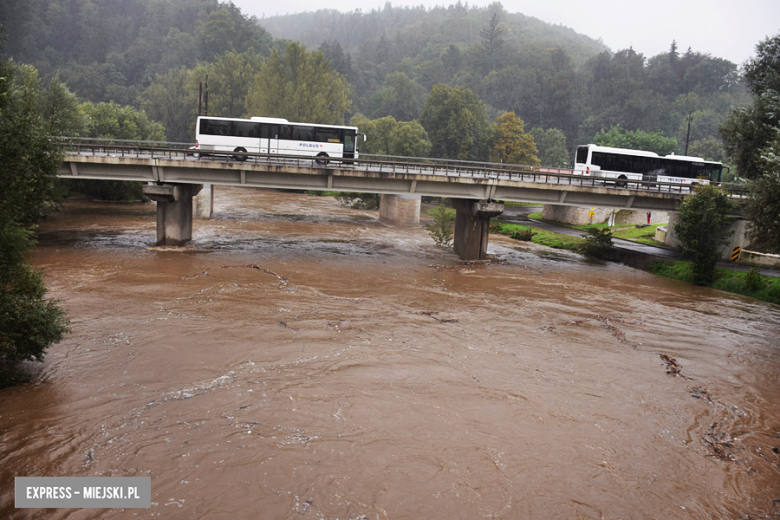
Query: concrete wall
759	259
580	216
400	210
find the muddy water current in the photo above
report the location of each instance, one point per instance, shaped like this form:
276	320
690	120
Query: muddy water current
304	360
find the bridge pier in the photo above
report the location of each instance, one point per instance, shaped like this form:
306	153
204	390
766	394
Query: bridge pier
174	211
472	226
737	239
400	210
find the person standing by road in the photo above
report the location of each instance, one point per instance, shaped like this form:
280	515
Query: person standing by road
649	214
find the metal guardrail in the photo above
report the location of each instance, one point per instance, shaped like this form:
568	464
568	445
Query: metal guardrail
370	163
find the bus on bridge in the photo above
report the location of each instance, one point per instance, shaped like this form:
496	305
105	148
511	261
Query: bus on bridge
621	165
275	136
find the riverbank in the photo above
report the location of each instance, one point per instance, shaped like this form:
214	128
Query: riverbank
741	280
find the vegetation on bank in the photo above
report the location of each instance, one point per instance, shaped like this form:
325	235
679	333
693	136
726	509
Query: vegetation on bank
29	161
751	283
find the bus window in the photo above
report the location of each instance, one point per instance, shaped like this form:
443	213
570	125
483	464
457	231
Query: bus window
269	131
246	129
214	127
285	132
349	142
303	133
582	154
328	135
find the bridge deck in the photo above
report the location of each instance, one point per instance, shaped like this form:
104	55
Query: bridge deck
407	176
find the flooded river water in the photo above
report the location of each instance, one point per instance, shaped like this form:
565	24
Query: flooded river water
303	360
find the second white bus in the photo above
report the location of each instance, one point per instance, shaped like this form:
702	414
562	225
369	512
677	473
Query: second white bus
621	165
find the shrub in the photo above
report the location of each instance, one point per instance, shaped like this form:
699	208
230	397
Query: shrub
597	242
442	228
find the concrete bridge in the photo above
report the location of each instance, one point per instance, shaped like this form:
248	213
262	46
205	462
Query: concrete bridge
174	176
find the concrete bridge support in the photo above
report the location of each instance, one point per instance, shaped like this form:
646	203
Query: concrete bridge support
738	237
472	226
174	211
203	203
400	210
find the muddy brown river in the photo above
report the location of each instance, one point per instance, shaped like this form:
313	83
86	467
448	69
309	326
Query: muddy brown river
304	360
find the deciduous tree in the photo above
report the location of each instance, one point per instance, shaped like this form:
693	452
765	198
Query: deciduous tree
29	161
551	144
299	86
455	120
509	143
636	140
702	230
748	131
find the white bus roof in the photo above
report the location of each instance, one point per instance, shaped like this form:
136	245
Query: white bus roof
270	119
624	151
684	158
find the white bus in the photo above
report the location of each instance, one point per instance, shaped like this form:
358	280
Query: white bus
621	165
275	136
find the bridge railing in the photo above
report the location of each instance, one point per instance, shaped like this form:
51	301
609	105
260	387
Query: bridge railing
379	163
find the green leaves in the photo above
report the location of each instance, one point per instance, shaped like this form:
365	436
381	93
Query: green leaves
509	144
386	136
299	86
636	140
702	230
455	120
29	160
441	231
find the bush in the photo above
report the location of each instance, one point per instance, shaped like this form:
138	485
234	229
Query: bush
443	223
702	230
597	242
526	235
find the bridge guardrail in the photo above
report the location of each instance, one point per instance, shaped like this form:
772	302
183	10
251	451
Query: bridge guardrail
403	165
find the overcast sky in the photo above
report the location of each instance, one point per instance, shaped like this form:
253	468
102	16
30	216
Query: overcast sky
724	28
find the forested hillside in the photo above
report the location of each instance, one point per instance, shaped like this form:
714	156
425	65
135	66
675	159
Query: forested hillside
566	88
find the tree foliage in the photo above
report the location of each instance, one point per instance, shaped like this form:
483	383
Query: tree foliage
702	230
299	86
29	160
551	144
155	53
750	132
456	122
386	136
442	229
636	140
763	211
510	144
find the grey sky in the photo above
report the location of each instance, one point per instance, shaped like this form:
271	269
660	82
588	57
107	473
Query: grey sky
727	29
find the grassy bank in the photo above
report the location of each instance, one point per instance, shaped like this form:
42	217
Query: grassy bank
750	283
537	236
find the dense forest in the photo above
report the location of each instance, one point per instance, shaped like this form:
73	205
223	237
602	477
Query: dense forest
565	88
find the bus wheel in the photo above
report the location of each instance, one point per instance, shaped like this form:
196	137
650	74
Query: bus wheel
621	182
693	187
322	158
241	158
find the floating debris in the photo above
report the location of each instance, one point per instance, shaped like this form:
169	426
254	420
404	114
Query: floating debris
204	273
672	366
440	320
700	393
261	269
719	443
